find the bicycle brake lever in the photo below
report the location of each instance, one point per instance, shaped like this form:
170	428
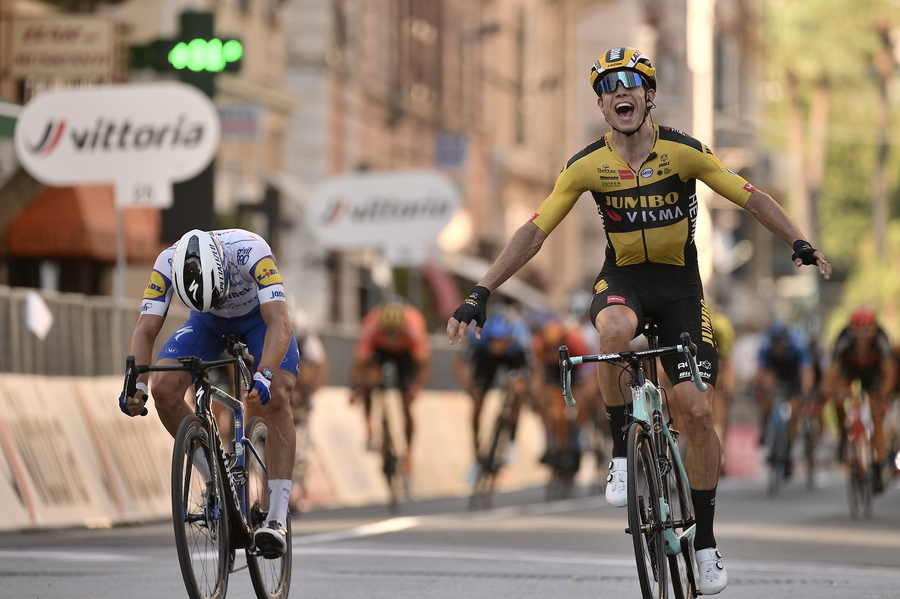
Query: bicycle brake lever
565	375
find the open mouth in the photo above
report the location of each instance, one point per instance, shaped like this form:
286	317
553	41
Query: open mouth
625	110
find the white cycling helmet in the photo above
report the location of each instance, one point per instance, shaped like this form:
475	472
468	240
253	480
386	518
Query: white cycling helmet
199	272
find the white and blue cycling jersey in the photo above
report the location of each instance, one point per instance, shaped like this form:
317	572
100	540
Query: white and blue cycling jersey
253	280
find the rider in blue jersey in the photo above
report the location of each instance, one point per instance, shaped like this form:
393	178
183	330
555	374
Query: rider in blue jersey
504	345
785	364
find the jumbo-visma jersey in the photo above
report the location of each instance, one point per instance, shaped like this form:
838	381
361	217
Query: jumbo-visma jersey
254	277
649	215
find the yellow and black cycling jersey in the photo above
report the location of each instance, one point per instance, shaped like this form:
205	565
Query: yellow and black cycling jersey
649	215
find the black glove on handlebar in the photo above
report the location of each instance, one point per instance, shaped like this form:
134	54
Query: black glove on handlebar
474	307
805	251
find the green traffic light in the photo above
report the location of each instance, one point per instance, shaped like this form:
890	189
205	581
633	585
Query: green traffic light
205	55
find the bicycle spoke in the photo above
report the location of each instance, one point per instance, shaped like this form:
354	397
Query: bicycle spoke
201	528
643	514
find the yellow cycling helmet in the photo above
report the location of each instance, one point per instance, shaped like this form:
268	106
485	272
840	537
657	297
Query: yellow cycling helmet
622	59
391	316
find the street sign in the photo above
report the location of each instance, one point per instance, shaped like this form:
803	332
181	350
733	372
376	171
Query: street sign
400	213
141	137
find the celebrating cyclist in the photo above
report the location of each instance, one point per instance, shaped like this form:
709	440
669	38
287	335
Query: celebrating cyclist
229	281
785	366
642	178
503	348
393	332
863	353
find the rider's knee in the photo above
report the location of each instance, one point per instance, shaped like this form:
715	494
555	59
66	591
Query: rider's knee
167	390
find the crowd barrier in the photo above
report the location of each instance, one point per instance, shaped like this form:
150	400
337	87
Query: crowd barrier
70	458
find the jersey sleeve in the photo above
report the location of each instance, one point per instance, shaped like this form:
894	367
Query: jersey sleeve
417	329
269	284
158	293
705	166
570	184
365	343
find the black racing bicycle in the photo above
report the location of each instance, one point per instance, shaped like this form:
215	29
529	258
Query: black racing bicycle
660	512
394	476
219	488
490	461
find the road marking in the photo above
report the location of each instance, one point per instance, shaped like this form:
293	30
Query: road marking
67	556
538	517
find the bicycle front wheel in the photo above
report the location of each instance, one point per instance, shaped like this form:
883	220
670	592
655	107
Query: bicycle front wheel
860	480
644	520
271	577
198	512
681	513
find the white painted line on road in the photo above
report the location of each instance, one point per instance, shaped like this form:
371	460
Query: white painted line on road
66	556
500	556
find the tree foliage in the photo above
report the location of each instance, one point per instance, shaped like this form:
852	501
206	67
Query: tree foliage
834	43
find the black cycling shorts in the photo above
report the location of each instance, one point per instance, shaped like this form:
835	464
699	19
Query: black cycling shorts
406	366
672	296
486	365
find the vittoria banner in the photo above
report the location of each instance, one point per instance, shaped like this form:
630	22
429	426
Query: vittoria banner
142	137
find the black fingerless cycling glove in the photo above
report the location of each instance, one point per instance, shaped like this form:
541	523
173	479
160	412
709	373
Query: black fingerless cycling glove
474	307
805	251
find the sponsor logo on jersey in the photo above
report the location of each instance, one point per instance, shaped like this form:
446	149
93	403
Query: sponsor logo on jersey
613	216
647	172
533	216
183	331
266	274
645	209
749	187
157	286
615	299
626	174
673	130
243	256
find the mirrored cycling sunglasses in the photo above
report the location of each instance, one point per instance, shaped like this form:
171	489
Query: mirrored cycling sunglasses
629	79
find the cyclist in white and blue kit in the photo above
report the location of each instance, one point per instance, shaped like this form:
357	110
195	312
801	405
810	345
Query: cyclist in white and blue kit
230	281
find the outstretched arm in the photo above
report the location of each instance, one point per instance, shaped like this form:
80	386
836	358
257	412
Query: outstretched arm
524	244
773	217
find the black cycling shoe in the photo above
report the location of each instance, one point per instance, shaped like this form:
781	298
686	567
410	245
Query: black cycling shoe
270	540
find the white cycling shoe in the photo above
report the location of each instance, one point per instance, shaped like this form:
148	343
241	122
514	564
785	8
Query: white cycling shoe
617	483
711	575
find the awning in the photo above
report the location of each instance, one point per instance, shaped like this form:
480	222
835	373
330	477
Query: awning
473	269
80	223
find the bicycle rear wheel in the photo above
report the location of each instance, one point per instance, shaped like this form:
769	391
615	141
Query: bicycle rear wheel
198	512
644	521
271	577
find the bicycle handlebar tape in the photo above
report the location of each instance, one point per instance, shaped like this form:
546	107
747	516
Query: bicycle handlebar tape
565	375
805	251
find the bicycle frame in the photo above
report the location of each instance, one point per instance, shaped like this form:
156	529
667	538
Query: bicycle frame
204	393
646	408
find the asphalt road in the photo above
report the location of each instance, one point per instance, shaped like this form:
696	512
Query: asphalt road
801	544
